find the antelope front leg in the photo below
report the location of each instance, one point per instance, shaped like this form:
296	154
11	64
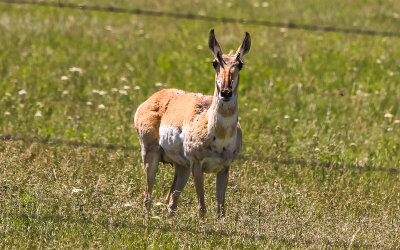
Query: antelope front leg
198	177
222	182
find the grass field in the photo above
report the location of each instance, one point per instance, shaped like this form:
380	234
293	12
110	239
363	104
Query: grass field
320	166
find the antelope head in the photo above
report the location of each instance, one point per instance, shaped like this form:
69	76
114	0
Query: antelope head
227	67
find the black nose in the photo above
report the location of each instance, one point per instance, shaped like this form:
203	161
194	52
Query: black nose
226	93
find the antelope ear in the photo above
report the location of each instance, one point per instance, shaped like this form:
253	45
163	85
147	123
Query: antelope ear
245	47
214	45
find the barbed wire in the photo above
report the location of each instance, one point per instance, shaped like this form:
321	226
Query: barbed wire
8	137
284	161
204	18
191	16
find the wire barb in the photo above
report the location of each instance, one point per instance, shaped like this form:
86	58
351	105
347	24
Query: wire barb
190	16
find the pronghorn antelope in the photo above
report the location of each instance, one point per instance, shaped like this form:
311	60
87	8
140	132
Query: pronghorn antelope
196	133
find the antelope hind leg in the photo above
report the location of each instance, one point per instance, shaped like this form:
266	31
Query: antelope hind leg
181	177
171	190
150	165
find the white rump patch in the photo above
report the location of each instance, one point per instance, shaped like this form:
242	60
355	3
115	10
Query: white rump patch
137	110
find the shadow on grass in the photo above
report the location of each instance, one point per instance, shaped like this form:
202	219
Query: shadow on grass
208	231
301	162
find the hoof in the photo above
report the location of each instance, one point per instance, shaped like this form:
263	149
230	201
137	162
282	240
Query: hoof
221	213
202	212
171	210
171	213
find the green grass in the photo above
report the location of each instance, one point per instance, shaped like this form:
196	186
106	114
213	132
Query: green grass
367	14
320	163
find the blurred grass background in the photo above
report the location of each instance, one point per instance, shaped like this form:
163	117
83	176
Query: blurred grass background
319	111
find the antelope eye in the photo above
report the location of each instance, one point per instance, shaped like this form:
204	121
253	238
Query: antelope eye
215	64
240	65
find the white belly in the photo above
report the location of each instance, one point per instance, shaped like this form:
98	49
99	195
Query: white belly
171	140
212	160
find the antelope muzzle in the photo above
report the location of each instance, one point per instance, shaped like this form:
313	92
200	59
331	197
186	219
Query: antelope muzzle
226	94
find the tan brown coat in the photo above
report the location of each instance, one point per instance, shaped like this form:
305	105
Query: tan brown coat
196	133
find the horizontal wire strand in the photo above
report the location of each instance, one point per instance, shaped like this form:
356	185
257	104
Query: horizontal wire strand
191	16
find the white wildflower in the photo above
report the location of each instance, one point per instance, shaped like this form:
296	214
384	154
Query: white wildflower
378	61
265	4
316	149
114	90
89	103
22	92
100	92
137	87
158	84
123	79
397	121
389	129
388	115
127	87
123	92
38	113
65	92
76	190
286	117
76	69
159	204
64	78
101	106
296	120
7	113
